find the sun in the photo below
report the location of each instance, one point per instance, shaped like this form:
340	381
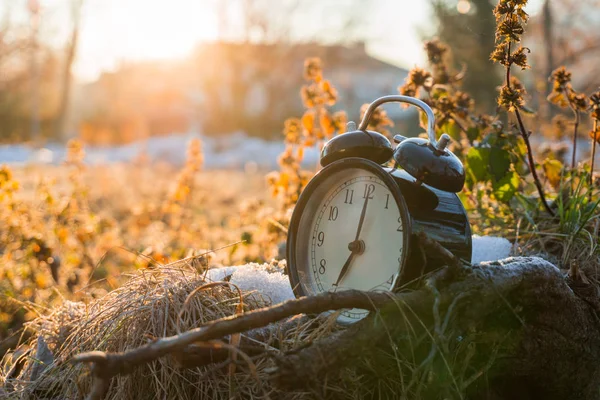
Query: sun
116	31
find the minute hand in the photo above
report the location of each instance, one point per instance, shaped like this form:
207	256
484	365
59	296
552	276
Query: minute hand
362	218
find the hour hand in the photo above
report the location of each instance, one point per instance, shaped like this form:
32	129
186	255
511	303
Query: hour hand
344	269
357	247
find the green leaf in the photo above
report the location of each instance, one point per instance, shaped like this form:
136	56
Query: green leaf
439	91
527	110
478	159
499	163
491	139
552	169
473	134
505	188
452	129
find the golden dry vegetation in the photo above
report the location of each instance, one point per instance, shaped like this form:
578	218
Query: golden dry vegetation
74	231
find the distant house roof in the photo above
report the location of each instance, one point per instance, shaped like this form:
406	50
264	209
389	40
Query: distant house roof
358	76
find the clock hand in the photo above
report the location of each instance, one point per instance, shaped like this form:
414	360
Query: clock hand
345	267
362	218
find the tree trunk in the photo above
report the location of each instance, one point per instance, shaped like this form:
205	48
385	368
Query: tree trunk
548	24
63	105
520	330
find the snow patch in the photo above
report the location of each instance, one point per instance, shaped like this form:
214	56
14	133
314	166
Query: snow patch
255	277
236	150
489	248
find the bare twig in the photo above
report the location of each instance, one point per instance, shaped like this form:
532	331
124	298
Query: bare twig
577	118
576	126
440	251
594	130
525	136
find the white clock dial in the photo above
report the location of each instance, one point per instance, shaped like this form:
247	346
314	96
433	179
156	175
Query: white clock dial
334	251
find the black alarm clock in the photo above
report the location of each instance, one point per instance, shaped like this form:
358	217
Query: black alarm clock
355	223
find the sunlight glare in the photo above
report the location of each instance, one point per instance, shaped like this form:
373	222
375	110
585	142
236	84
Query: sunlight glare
463	6
117	30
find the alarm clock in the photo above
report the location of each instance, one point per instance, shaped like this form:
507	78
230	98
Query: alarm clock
355	224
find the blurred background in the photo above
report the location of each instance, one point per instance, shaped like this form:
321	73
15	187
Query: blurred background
151	72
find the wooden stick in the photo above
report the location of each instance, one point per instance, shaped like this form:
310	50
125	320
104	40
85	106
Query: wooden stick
107	365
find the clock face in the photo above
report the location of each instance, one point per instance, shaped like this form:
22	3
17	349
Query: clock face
351	234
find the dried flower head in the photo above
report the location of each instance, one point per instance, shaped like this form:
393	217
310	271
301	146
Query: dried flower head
500	54
595	105
510	98
560	77
435	50
407	90
464	103
517	84
520	58
340	119
511	29
579	101
310	95
418	77
313	69
329	93
446	105
595	100
511	7
292	130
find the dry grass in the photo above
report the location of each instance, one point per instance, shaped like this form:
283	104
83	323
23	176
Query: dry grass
165	301
153	303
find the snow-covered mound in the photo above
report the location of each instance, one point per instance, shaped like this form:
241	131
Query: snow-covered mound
276	286
228	151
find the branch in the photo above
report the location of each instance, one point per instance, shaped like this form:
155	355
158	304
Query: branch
107	365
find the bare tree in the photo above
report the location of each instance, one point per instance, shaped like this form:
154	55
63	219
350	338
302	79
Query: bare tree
66	80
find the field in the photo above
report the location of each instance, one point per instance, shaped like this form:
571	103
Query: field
89	274
75	232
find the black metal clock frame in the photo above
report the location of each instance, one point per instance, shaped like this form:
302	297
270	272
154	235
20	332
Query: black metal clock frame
306	196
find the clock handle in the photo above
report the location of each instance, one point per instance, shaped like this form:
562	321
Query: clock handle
403	99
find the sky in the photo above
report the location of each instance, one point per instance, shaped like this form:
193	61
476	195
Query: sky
116	31
171	28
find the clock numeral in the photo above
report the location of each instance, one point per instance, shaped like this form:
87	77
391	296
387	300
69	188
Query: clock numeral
321	238
390	281
369	191
387	200
349	195
322	264
400	222
333	213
